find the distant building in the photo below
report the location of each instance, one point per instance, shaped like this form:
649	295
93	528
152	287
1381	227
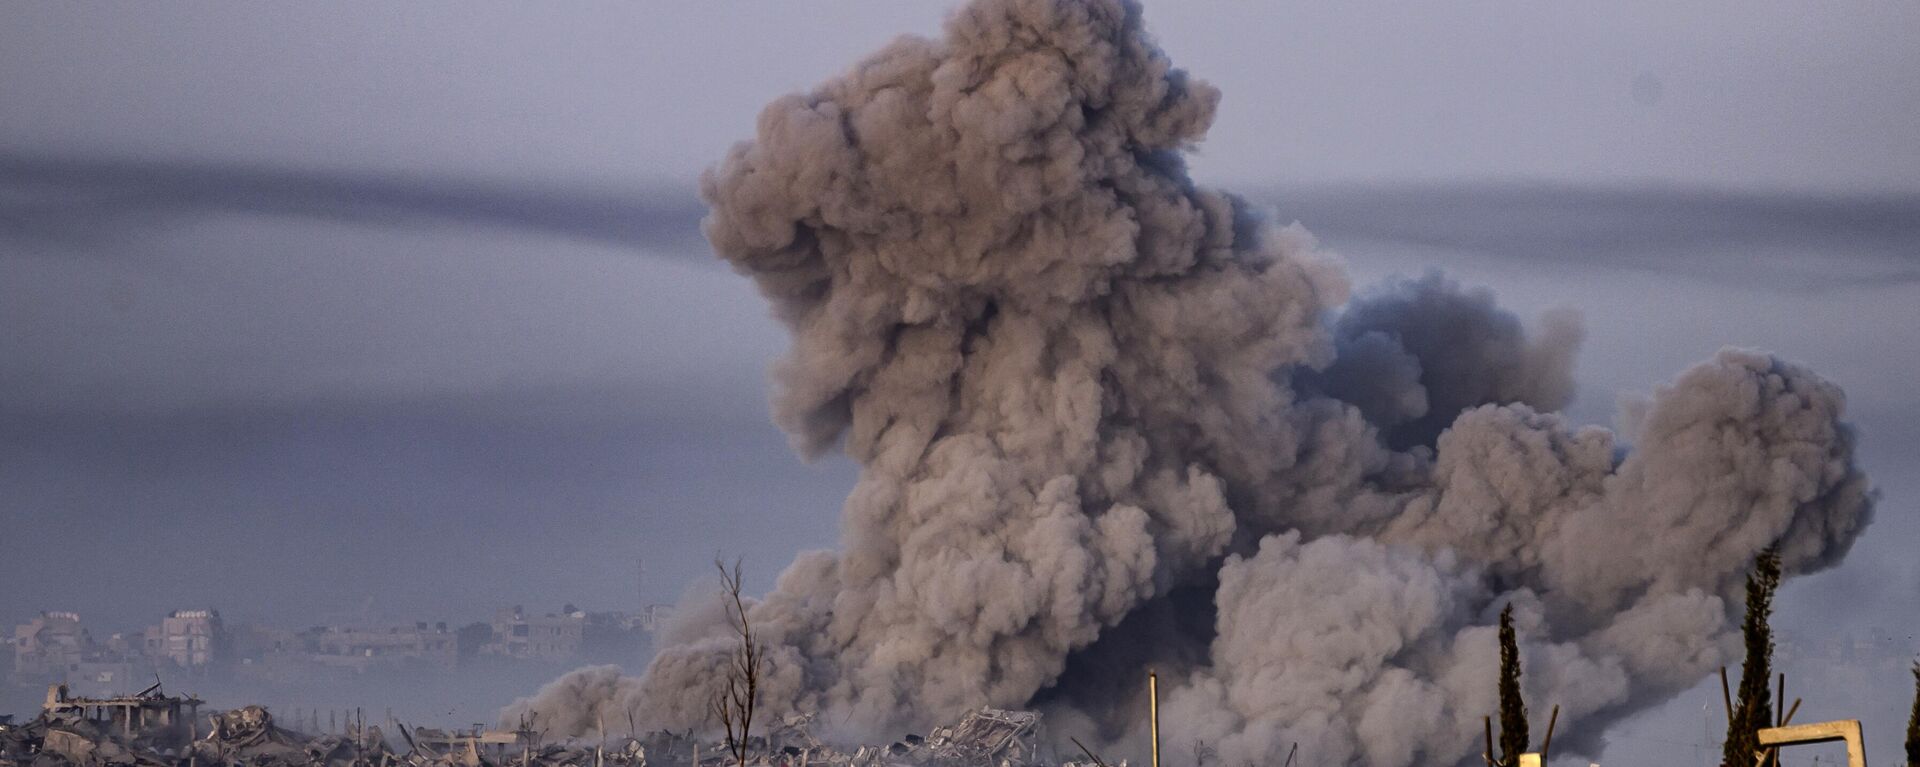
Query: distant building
49	645
651	619
108	676
56	648
554	636
365	648
268	653
569	635
125	645
255	642
189	639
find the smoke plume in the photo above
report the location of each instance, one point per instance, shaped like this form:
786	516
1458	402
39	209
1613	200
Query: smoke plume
1107	418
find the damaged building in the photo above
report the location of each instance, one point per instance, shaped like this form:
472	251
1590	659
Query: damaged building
153	729
146	713
985	737
147	728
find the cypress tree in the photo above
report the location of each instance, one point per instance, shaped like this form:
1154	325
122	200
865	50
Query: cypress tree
1913	722
1513	710
1753	707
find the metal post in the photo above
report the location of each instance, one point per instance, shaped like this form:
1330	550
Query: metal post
1780	702
1153	711
1779	714
1487	722
1548	744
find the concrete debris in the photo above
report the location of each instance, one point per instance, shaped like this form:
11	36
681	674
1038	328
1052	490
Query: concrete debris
794	732
73	732
152	729
988	736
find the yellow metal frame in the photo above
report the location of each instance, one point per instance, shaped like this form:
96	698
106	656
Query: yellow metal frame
1847	730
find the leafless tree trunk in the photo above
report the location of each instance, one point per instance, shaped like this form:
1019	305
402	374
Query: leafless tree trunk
734	702
1202	753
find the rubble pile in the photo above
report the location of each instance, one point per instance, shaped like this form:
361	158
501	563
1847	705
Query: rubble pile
154	730
242	737
248	736
986	737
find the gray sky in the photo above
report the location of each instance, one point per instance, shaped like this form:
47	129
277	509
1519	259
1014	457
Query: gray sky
322	309
1771	94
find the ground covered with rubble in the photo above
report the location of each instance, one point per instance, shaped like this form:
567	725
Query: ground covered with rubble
139	731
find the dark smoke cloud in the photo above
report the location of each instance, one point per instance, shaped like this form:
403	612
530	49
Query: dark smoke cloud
1415	353
78	199
1093	402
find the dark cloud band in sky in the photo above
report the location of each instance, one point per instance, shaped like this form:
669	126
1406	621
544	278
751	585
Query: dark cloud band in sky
1654	228
1660	229
84	199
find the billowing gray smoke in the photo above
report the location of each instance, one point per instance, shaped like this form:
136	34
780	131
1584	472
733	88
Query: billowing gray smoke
1106	418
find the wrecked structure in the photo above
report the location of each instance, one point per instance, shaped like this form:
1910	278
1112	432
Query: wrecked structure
472	747
147	712
153	729
149	728
988	736
984	737
249	736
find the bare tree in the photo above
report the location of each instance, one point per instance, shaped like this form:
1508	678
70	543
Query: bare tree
734	702
1202	753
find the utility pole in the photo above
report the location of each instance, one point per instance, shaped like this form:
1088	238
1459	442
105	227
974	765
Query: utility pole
1153	712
